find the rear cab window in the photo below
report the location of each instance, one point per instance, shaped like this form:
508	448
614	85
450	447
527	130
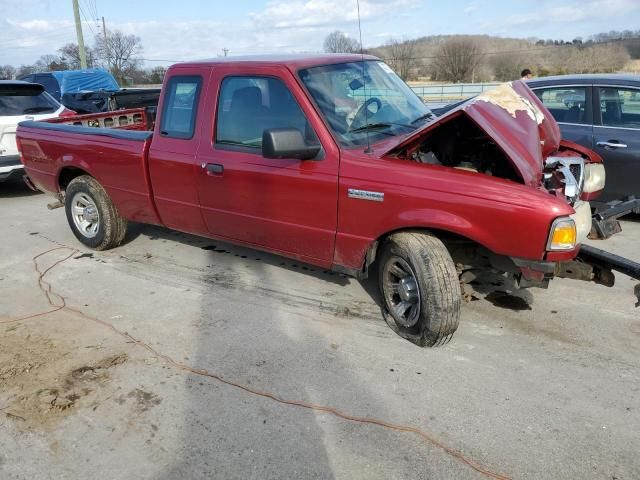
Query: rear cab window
180	107
19	100
566	104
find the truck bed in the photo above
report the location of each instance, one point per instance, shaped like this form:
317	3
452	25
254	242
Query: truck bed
116	157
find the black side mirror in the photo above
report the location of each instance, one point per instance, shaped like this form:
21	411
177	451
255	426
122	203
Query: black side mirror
287	143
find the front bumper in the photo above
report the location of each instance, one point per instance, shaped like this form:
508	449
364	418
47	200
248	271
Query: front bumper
591	265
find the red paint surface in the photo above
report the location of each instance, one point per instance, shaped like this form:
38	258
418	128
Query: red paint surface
301	208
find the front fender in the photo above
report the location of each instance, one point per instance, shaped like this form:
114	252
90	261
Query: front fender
351	249
505	217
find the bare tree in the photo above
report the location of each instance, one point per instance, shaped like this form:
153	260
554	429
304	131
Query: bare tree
339	42
50	62
70	54
400	55
599	58
456	60
119	53
508	66
156	75
25	70
7	72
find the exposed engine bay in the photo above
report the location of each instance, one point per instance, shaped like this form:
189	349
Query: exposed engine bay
461	144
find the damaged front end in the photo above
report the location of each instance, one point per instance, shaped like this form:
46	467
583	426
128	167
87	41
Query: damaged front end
508	133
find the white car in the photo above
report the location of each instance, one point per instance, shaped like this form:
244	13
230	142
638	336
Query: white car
21	101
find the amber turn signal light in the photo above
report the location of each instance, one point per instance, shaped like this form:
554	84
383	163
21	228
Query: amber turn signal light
563	235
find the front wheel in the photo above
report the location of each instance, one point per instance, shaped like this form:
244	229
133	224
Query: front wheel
420	288
91	214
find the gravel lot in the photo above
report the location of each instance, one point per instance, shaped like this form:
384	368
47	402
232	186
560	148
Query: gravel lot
546	385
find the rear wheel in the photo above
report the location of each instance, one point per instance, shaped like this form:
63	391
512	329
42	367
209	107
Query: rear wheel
93	218
420	288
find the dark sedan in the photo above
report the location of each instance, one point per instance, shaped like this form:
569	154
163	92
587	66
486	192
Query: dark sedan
601	112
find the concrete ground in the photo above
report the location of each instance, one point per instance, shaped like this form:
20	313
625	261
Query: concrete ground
546	385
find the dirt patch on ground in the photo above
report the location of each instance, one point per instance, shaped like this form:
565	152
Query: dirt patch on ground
142	399
44	379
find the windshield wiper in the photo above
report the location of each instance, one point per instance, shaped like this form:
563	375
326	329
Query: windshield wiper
377	126
423	117
371	126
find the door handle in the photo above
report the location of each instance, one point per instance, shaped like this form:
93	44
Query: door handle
611	144
214	168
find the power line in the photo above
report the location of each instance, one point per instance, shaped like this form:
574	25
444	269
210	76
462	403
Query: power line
87	20
93	13
91	8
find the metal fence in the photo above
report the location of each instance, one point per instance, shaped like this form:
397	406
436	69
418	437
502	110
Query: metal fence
452	92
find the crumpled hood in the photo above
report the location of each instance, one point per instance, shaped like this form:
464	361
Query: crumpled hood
515	118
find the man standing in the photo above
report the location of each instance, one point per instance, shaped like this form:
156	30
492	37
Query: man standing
526	74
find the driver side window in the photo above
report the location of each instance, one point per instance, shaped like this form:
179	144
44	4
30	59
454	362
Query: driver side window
247	106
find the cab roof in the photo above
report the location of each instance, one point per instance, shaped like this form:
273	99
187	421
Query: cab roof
293	61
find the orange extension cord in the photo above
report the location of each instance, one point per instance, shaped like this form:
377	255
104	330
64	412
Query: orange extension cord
61	304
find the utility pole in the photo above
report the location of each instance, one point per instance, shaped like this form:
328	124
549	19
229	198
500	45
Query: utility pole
83	54
225	51
106	45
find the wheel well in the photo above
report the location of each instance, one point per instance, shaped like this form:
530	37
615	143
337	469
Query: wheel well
67	174
451	241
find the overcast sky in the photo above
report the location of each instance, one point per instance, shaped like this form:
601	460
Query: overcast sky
191	29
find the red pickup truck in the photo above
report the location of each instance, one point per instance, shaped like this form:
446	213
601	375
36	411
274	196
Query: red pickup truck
333	160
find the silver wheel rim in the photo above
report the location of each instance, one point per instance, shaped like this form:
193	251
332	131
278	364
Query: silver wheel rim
85	214
401	291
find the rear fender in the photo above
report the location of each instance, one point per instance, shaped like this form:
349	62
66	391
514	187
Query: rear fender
69	172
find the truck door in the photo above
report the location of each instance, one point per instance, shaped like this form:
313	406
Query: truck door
617	140
283	205
173	167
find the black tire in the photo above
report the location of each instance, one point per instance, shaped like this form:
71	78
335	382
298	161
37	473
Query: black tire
438	288
110	228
